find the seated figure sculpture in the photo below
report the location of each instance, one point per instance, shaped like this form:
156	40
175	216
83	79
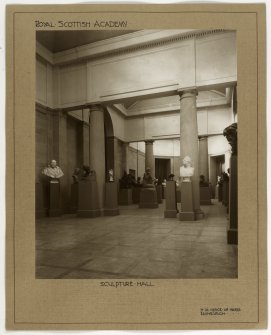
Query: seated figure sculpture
53	171
186	170
148	181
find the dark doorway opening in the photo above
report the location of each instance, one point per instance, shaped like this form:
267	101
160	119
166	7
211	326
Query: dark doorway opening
217	166
162	169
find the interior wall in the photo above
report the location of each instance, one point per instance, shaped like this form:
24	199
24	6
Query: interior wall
49	145
117	77
45	88
136	161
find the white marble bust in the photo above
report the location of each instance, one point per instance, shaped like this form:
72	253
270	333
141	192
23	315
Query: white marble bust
111	175
53	171
186	170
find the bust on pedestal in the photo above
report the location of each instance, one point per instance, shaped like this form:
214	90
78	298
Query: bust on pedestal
187	209
148	195
88	203
54	173
111	196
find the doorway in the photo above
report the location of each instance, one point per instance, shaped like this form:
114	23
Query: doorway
162	169
217	166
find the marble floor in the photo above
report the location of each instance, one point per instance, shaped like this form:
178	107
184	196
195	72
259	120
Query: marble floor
139	243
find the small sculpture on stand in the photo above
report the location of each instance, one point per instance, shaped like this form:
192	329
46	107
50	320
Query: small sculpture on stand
53	172
186	170
126	181
148	181
231	134
171	177
202	181
76	175
148	194
86	172
111	175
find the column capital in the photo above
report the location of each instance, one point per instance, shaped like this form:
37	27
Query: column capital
187	93
203	137
149	141
95	107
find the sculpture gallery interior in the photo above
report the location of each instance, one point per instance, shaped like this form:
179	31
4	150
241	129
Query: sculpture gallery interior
136	154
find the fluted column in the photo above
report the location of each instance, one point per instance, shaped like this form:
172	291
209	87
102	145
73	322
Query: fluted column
203	157
189	140
149	158
97	147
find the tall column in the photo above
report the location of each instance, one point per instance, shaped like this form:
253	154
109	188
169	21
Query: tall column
85	137
97	147
231	134
189	140
203	157
149	158
125	150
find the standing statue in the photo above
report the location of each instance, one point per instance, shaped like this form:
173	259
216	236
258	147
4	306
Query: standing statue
186	170
53	171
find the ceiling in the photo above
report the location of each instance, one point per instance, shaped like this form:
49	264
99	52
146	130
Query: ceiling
56	41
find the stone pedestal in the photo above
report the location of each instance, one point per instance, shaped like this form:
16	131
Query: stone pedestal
88	202
159	193
54	198
225	194
233	203
111	199
171	204
148	198
187	209
74	198
178	193
125	196
205	195
163	192
136	194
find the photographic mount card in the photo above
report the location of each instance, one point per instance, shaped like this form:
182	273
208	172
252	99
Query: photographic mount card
160	226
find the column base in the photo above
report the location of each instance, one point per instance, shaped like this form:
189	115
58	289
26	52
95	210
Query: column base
111	212
232	236
199	214
170	213
187	216
88	213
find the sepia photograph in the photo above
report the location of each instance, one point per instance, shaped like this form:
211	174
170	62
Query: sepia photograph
136	154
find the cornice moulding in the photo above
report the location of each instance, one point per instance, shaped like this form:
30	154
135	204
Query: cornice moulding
122	44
